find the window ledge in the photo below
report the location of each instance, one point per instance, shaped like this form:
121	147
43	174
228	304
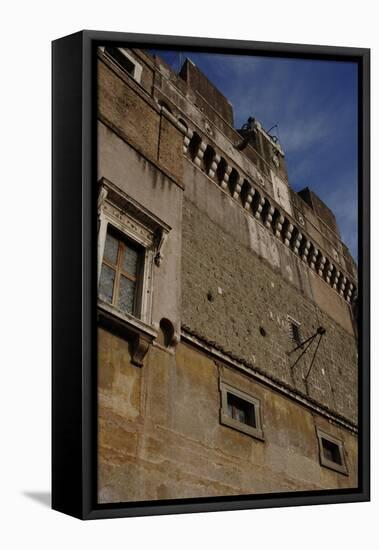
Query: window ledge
136	331
226	420
333	466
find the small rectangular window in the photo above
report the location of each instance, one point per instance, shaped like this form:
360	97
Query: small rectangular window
125	61
118	55
331	452
295	331
240	411
119	276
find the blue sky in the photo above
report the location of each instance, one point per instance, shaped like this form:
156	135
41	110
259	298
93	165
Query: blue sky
314	104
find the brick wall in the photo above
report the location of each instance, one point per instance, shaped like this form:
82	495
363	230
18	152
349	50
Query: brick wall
231	296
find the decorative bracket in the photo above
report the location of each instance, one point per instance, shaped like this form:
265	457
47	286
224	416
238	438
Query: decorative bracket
140	347
160	239
103	193
139	335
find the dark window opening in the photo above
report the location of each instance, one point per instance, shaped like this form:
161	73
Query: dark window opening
245	190
221	169
256	202
117	55
295	332
241	410
208	157
194	145
233	180
331	451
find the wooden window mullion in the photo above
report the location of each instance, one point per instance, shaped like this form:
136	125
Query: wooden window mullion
117	276
119	271
125	273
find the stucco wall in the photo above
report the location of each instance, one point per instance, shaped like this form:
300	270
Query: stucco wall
151	187
160	435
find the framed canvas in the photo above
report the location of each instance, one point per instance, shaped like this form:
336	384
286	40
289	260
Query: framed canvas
210	275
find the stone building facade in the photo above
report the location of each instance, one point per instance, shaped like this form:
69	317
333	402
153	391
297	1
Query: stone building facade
227	352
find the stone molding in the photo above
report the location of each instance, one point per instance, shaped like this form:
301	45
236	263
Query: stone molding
140	335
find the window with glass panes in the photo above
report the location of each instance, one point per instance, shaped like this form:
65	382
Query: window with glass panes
119	273
241	410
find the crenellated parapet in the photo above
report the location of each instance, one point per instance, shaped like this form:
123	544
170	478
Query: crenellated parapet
266	211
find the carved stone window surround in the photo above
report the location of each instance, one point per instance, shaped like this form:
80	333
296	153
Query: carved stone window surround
140	335
119	211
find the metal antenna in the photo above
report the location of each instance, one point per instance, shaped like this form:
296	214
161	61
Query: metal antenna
310	340
320	332
272	127
302	344
314	355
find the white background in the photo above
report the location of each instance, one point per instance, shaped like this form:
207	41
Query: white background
27	29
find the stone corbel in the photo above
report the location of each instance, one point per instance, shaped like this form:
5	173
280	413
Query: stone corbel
259	208
269	216
288	233
297	243
200	154
160	239
213	168
140	346
237	189
279	225
352	295
187	138
305	247
321	265
342	285
336	277
103	193
249	198
138	335
314	258
225	179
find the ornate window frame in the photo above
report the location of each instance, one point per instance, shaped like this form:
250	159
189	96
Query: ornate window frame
136	223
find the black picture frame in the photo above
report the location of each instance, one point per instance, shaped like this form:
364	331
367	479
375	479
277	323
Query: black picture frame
74	267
